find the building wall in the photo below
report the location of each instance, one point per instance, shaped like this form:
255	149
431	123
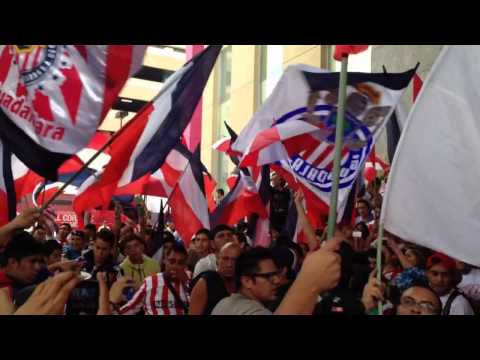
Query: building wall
399	58
245	92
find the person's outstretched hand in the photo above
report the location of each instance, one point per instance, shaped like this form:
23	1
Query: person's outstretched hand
323	267
372	292
50	297
116	291
26	218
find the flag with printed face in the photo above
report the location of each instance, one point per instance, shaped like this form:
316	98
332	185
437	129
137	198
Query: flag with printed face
54	97
295	128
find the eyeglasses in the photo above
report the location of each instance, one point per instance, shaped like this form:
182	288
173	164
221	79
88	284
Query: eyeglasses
424	306
267	276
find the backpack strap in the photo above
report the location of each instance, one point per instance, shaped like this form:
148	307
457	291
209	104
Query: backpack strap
448	304
175	294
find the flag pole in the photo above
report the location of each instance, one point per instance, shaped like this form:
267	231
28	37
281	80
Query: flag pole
379	262
74	176
332	215
102	149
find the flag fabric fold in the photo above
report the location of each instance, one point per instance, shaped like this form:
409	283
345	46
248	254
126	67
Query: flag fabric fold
437	206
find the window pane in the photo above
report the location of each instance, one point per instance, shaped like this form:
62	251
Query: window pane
271	69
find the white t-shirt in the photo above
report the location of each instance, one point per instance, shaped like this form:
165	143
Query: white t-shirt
460	306
470	284
206	263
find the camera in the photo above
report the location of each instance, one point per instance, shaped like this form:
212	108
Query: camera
84	299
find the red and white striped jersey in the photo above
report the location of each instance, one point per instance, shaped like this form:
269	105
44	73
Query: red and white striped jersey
155	298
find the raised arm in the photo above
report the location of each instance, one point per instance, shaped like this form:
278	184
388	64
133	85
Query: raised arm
307	227
26	219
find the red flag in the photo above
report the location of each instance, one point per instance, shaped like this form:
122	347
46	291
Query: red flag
417	86
345	50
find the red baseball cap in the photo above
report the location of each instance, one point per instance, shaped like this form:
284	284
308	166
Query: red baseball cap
439	258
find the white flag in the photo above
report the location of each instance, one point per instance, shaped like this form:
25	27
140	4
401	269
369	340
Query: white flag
433	196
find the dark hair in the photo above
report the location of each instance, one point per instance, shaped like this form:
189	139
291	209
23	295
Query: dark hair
422	260
220	228
396	295
363	229
67	225
50	246
168	237
242	226
247	262
177	248
149	232
38	227
205	232
21	246
91	227
130	238
78	233
363	201
107	236
284	258
220	191
241	237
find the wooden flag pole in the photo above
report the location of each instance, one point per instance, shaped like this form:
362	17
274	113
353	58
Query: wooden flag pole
332	215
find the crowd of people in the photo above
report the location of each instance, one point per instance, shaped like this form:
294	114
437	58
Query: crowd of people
140	269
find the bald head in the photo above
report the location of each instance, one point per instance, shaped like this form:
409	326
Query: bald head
226	259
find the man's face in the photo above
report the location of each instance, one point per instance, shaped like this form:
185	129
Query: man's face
275	181
175	265
226	261
77	242
101	251
25	270
40	235
440	279
412	257
167	247
264	283
362	210
134	250
89	234
222	238
202	244
171	226
63	232
54	257
274	235
418	301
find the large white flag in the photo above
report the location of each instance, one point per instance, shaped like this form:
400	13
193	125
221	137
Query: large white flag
433	196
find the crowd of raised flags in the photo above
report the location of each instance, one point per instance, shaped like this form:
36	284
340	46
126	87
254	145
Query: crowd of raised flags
53	99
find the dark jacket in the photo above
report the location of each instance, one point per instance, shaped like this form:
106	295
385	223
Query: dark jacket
109	267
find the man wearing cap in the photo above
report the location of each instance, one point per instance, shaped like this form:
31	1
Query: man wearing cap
443	278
